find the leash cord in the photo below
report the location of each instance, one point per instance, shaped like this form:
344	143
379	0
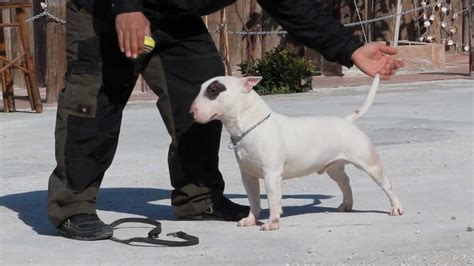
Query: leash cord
153	235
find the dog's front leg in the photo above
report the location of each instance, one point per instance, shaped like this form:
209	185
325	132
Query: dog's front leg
273	187
252	187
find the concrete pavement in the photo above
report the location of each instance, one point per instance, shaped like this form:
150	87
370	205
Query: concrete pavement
423	131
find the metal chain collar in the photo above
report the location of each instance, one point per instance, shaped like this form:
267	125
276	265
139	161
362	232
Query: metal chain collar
234	141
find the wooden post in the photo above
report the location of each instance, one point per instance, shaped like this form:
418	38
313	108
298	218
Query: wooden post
6	18
471	42
251	20
366	17
14	48
397	24
466	23
370	14
31	83
235	43
213	24
222	29
224	42
436	27
56	51
39	41
457	24
270	41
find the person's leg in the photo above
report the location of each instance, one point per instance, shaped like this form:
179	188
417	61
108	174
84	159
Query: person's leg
98	83
189	59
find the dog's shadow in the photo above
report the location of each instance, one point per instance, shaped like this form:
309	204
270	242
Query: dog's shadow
31	207
312	207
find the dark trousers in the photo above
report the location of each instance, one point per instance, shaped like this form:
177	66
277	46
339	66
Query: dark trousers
99	82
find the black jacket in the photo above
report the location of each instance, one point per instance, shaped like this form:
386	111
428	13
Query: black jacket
310	21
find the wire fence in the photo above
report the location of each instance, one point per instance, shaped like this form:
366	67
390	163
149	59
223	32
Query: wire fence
45	13
222	26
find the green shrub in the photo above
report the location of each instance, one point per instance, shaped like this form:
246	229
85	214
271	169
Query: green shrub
281	72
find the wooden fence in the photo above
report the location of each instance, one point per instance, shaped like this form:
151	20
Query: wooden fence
411	27
246	15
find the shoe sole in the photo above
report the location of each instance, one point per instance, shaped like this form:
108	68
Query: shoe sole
86	238
201	218
209	217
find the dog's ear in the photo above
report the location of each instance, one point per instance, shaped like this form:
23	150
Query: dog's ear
250	82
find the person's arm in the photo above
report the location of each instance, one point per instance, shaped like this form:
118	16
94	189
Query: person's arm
174	9
131	25
198	7
313	24
126	6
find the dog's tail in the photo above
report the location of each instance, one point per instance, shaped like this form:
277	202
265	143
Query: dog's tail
368	101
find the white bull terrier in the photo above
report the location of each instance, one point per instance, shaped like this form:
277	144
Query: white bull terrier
274	147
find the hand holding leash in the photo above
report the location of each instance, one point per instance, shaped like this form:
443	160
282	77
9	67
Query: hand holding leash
373	58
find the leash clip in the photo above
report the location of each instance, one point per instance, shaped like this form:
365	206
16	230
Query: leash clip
154	233
176	234
231	145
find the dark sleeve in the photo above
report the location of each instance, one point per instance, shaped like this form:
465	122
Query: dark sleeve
123	6
170	8
313	24
201	7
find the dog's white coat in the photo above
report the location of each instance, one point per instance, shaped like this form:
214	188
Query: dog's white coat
284	147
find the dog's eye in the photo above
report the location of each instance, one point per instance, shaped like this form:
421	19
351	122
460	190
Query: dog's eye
214	89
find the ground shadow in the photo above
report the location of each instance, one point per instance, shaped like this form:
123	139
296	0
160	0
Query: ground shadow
32	210
312	207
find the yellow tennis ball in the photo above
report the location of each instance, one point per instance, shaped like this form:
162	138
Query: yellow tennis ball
149	44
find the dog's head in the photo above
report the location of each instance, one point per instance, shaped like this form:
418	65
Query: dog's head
220	96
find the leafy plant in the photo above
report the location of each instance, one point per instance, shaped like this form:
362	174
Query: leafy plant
281	72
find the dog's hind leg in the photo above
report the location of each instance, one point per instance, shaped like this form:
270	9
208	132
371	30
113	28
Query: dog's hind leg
336	172
252	187
374	169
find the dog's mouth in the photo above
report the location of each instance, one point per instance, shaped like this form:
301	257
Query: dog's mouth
208	120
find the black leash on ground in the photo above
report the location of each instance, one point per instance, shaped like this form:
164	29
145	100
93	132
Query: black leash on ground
153	235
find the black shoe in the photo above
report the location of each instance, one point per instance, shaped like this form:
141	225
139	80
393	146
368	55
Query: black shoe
222	209
85	227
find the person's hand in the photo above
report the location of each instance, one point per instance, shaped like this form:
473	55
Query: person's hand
373	58
131	29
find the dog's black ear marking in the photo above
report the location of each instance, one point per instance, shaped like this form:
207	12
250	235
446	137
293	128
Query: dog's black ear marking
213	90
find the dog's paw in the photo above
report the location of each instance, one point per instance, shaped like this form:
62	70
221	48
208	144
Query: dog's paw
396	211
345	207
270	226
247	221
